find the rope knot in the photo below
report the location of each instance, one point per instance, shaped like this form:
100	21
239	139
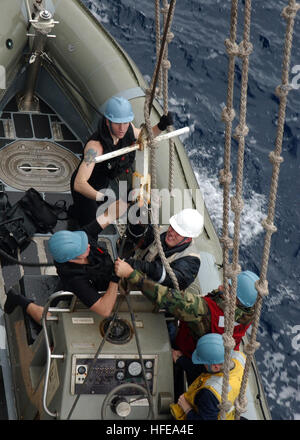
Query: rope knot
166	64
282	90
241	131
229	341
227	242
268	226
225	177
225	281
232	271
275	159
228	115
245	49
165	9
251	348
289	12
237	205
232	48
262	288
170	37
241	404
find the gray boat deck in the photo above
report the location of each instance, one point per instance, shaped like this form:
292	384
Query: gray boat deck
38	132
33	130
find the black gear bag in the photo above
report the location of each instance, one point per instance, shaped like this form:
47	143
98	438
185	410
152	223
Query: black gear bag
30	215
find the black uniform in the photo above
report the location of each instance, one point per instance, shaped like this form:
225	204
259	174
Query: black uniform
104	174
86	280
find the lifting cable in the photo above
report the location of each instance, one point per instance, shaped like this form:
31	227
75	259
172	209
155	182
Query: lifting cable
166	65
150	92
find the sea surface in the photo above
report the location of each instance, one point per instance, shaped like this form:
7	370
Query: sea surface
197	94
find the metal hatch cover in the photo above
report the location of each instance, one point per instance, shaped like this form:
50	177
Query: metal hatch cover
42	165
120	333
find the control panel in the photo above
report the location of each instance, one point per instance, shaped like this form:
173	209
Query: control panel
110	371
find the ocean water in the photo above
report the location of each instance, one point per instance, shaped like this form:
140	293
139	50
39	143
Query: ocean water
197	94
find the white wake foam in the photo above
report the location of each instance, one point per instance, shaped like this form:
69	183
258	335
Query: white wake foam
251	216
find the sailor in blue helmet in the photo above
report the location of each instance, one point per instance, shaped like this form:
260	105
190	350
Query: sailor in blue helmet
90	179
202	399
197	315
83	267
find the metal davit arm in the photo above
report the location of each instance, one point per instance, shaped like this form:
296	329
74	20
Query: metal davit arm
51	356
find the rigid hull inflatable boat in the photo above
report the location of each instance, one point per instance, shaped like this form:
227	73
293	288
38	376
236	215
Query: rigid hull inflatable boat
54	80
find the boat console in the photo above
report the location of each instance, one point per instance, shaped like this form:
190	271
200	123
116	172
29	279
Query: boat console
84	366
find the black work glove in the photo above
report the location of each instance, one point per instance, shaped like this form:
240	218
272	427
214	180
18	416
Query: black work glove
114	277
165	121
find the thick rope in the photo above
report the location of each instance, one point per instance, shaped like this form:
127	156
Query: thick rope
157	41
289	14
161	52
152	146
166	65
244	50
225	178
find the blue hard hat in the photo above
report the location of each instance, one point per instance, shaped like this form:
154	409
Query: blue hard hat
118	110
67	245
209	350
246	291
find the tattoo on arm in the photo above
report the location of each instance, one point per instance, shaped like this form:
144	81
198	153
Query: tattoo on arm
89	156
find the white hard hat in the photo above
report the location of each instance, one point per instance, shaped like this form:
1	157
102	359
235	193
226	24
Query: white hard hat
187	223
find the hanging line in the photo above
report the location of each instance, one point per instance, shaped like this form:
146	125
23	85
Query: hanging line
243	50
289	14
166	65
147	109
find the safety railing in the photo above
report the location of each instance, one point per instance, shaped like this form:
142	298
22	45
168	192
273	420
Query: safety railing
50	355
